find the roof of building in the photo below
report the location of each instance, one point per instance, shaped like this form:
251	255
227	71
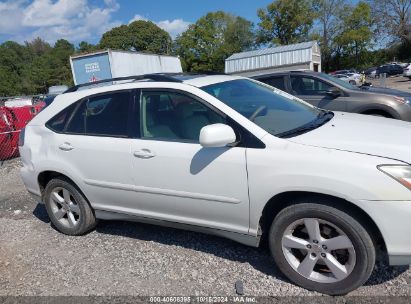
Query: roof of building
273	50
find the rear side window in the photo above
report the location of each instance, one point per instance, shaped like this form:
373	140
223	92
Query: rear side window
309	86
104	115
277	82
58	122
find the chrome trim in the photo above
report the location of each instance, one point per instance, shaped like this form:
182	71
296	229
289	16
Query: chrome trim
166	192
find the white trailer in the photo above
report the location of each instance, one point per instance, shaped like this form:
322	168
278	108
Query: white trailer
112	64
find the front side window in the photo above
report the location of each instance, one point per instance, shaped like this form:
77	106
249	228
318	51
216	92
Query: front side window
103	115
174	116
275	111
308	86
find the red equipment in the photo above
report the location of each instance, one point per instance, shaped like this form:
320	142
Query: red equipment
12	120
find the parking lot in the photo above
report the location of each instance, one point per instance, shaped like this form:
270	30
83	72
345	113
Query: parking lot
394	82
120	258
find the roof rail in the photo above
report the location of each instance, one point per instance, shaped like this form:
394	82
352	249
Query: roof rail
154	77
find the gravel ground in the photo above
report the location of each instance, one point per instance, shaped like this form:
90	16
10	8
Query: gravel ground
121	258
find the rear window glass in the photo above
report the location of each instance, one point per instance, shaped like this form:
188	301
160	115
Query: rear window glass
276	82
58	122
102	115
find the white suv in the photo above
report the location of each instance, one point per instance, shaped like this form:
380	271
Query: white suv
232	157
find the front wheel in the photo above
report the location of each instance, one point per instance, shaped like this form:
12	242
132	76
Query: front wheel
321	248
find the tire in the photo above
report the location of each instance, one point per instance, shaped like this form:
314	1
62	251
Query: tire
68	209
352	82
359	258
378	114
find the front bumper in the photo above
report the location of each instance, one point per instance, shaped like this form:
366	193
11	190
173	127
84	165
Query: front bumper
393	218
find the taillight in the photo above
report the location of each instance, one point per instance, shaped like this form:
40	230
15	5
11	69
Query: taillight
21	137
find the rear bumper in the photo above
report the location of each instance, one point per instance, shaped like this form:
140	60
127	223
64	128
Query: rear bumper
393	218
29	177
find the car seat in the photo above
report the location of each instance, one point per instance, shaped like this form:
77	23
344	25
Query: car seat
190	121
152	126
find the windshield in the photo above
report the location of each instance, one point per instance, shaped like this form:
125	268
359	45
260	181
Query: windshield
273	110
339	81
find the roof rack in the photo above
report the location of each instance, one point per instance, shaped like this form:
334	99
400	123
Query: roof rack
154	77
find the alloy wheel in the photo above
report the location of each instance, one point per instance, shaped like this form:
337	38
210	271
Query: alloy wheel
64	207
318	250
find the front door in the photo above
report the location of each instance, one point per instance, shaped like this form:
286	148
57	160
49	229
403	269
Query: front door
178	180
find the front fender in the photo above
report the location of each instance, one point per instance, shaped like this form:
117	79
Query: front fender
292	167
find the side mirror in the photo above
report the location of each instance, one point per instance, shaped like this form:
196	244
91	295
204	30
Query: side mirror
217	135
334	92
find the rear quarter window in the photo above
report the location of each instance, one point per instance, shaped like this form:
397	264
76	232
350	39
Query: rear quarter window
277	82
59	121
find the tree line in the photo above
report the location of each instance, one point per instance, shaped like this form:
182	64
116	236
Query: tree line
360	35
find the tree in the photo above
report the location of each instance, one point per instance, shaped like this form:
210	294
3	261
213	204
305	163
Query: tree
327	13
52	68
38	46
85	47
205	45
355	33
13	58
285	22
117	38
393	18
143	36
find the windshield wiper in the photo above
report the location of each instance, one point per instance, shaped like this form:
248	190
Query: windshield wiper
325	113
322	117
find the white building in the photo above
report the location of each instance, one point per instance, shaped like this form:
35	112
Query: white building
300	56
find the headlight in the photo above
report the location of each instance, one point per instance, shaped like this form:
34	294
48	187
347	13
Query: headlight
402	99
401	173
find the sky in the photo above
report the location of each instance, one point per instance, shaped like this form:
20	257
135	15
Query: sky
87	20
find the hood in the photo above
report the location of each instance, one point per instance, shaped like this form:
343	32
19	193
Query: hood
365	134
385	91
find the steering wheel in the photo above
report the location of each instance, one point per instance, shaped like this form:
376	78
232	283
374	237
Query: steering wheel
256	112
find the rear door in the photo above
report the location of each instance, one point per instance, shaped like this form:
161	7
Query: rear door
314	91
92	137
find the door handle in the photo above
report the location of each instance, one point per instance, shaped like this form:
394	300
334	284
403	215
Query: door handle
66	147
144	153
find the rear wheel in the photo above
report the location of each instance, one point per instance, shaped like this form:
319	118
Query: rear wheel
321	248
67	208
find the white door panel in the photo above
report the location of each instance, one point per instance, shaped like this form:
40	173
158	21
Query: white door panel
102	164
187	183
